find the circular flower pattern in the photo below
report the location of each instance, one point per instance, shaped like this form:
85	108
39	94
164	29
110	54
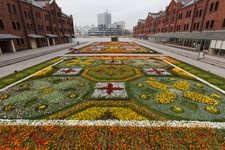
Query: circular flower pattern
177	109
144	97
166	97
181	85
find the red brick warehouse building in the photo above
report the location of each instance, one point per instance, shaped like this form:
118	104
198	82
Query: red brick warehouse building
28	24
186	23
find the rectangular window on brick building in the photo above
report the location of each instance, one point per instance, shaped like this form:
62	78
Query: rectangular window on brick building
216	6
212	24
28	26
14	25
197	26
22	41
14	9
25	14
197	12
9	8
1	25
200	13
207	25
18	41
189	14
18	25
224	23
194	26
211	7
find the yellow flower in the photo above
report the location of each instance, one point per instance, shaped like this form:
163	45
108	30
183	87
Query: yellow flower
211	109
166	97
200	98
96	112
215	96
140	85
182	85
181	72
157	85
73	95
5	96
43	72
144	97
47	90
177	109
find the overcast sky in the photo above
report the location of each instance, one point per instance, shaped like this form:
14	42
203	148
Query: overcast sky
85	11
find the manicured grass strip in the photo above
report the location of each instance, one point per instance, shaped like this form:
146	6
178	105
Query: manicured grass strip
207	76
5	81
109	137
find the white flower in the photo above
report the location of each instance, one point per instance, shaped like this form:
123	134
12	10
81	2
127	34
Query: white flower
158	71
110	90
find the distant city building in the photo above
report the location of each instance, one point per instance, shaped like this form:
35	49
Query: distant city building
104	18
104	30
83	31
187	23
120	24
26	24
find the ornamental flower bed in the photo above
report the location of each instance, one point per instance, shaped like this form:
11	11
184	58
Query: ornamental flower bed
115	47
109	137
110	90
112	78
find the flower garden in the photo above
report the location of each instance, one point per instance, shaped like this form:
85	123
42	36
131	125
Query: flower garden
113	47
111	88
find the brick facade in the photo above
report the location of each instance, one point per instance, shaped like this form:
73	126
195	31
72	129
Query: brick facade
187	23
36	23
202	15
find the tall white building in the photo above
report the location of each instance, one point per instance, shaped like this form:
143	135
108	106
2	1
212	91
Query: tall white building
104	18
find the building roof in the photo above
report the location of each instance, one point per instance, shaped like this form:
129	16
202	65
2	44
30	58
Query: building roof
141	20
186	3
220	35
34	3
9	36
156	15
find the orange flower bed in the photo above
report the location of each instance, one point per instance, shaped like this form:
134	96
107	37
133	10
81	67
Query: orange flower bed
94	137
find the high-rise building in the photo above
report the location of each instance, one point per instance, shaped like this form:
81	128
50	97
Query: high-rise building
104	18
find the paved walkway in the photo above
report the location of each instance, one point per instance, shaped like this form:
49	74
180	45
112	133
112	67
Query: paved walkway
18	54
9	69
189	57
